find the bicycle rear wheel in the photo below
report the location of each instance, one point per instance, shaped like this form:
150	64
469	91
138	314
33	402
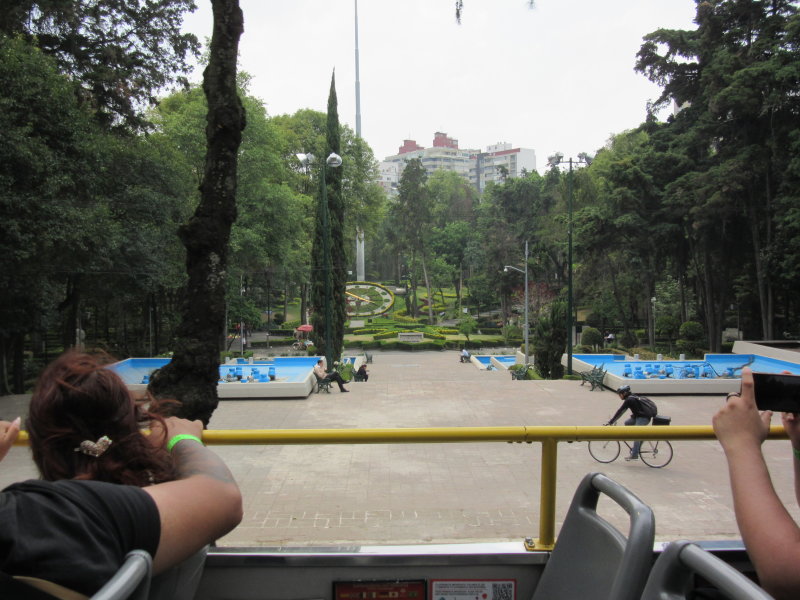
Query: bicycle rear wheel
656	454
604	451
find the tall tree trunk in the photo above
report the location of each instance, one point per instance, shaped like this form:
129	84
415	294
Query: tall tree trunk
191	377
19	363
764	297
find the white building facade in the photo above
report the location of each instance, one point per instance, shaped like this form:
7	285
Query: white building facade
498	162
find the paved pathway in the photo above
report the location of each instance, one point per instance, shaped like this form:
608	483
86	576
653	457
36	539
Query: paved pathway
365	494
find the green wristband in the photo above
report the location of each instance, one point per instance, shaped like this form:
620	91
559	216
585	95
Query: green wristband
796	453
180	438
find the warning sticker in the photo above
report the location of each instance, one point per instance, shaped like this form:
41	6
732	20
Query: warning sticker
473	589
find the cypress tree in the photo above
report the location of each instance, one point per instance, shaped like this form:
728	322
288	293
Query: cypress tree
335	231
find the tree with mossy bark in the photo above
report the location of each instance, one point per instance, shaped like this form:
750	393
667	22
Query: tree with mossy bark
192	374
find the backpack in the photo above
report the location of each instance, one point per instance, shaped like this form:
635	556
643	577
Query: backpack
648	406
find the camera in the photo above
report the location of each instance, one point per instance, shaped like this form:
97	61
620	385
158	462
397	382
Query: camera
777	392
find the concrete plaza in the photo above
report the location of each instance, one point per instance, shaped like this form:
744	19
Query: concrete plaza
454	492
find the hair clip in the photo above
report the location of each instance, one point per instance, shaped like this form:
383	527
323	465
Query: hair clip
96	449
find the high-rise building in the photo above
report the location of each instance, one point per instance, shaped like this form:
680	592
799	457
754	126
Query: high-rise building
500	162
497	163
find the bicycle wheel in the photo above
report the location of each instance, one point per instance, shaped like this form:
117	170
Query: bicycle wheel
604	451
656	454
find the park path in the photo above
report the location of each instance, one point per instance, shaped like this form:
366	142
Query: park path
383	493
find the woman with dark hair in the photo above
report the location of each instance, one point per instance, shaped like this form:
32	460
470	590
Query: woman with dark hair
84	423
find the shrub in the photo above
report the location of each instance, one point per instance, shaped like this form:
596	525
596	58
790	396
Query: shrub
644	353
511	331
447	331
628	340
691	338
691	330
591	337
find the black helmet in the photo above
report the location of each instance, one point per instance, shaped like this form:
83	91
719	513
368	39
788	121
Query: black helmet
625	390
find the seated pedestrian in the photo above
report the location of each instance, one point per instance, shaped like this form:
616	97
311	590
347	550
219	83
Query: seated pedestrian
76	532
335	376
464	355
84	424
362	374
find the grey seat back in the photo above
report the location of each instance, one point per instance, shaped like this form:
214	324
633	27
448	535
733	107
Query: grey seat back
131	581
594	560
672	575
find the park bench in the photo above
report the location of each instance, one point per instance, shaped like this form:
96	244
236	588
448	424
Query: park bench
519	372
594	377
368	357
323	384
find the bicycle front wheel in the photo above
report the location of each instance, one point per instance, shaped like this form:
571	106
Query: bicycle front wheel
604	451
656	454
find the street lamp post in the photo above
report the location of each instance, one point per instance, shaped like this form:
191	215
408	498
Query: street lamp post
554	161
333	161
525	272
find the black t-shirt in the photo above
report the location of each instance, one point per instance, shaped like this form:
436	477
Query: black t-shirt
74	533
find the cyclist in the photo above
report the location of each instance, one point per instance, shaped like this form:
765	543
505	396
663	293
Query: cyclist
642	410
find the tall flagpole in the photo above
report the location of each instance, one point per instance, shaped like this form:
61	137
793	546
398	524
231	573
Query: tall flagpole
359	232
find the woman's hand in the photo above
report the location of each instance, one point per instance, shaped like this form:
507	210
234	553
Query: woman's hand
738	424
8	435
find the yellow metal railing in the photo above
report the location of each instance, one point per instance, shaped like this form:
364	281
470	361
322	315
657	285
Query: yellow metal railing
548	436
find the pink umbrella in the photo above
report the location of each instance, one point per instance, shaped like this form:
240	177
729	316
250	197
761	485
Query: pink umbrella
305	328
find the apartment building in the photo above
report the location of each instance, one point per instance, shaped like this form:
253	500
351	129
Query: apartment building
479	168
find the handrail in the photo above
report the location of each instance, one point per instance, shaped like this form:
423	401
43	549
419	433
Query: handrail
549	436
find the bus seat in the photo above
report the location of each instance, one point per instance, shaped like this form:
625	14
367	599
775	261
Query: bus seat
181	581
131	581
594	560
672	575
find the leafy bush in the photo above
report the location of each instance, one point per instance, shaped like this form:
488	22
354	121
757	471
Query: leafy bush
628	340
691	338
511	331
433	336
644	353
591	337
385	335
447	331
691	330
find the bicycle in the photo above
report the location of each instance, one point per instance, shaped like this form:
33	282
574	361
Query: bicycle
655	454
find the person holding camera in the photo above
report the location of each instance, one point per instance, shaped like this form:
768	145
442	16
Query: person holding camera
642	410
770	534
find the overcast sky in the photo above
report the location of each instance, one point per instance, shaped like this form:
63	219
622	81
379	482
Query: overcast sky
557	77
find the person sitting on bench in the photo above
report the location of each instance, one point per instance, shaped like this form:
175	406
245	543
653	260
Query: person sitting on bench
362	374
319	371
464	355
